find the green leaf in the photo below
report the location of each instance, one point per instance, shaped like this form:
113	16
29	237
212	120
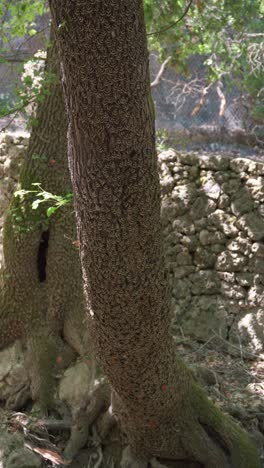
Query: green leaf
51	210
32	32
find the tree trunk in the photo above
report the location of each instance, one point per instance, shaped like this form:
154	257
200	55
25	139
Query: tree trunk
41	295
114	173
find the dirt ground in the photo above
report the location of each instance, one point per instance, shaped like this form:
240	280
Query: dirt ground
233	378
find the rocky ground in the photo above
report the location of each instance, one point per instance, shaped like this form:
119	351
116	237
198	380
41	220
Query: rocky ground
28	439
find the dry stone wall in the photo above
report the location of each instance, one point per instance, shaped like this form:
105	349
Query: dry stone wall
213	224
12	152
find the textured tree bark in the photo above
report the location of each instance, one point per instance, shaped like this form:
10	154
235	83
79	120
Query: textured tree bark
111	144
41	296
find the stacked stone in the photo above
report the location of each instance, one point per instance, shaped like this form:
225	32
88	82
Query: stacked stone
12	152
213	223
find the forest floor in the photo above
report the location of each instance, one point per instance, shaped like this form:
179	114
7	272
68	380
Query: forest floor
233	379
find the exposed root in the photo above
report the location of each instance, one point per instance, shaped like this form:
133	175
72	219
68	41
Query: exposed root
217	440
99	402
155	464
129	460
105	423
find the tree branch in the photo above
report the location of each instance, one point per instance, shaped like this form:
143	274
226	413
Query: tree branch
253	35
222	98
161	31
202	100
160	73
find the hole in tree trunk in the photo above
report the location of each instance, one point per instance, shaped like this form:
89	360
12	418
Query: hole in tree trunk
42	256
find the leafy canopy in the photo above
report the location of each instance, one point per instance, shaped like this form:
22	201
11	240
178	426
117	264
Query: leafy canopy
228	34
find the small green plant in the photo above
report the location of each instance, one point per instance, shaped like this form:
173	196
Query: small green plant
162	137
42	196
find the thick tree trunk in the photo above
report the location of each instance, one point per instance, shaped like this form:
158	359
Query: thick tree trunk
114	173
41	295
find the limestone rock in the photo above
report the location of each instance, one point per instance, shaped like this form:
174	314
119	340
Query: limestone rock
166	184
8	139
205	282
75	384
200	224
193	172
256	265
183	197
256	296
14	455
233	291
250	327
203	316
184	225
191	159
258	249
182	272
214	162
257	194
230	261
245	279
190	242
168	156
184	258
239	164
168	211
202	207
242	203
212	189
224	222
217	248
239	244
181	289
227	277
14	379
210	238
231	187
204	258
255	182
252	225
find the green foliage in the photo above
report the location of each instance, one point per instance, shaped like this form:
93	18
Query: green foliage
42	196
162	137
226	33
26	208
18	18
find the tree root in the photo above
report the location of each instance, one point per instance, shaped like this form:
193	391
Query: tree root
193	433
222	440
99	402
129	460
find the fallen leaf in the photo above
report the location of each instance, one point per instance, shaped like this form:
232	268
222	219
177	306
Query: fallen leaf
76	243
54	457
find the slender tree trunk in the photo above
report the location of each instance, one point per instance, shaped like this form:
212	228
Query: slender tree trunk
41	295
114	173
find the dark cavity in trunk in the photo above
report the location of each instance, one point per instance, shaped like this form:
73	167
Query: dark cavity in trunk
42	256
